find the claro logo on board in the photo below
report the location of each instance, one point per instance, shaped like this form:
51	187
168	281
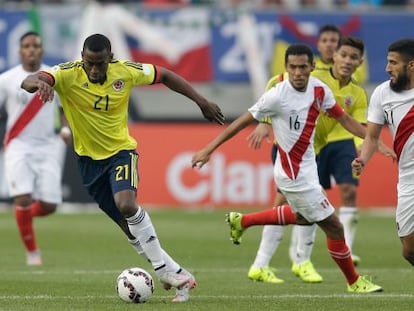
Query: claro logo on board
220	181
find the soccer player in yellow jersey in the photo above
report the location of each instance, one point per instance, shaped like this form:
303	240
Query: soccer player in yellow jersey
335	150
327	44
94	92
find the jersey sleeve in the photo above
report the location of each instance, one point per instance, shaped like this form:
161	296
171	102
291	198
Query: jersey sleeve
329	101
262	109
142	74
55	74
375	111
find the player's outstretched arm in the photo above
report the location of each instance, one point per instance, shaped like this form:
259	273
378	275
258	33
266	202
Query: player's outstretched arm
210	110
202	157
39	82
261	132
356	128
368	147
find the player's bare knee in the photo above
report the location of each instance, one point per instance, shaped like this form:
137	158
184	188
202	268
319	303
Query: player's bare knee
50	207
300	220
23	200
127	209
408	254
348	194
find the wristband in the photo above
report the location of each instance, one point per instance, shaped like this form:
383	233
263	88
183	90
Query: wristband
65	130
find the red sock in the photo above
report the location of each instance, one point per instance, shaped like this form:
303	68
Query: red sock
37	210
278	215
339	252
25	225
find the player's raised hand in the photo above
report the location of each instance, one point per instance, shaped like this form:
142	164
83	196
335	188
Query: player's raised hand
212	112
261	132
357	166
45	91
200	158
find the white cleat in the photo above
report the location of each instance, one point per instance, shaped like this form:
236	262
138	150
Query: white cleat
33	258
183	294
172	279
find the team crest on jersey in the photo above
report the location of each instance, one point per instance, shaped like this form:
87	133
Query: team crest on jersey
118	85
349	101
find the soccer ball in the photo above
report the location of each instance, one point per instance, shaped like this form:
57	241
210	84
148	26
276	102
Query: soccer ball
134	285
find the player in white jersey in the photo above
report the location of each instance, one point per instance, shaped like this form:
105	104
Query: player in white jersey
392	103
293	106
33	150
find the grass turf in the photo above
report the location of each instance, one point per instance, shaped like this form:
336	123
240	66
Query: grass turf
84	253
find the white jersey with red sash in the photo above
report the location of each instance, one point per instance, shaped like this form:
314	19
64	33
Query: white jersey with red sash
33	154
396	110
293	115
29	122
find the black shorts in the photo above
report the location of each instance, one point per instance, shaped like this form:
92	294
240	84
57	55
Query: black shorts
104	178
335	160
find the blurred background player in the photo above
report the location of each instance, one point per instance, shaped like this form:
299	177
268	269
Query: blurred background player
94	92
33	150
335	149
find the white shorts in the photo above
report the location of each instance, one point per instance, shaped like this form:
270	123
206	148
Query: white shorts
36	171
405	210
312	204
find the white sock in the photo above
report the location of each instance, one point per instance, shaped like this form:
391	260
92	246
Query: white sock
305	237
142	229
348	216
170	264
271	237
293	244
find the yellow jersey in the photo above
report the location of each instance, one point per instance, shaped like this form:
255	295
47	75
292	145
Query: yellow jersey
352	98
360	75
98	113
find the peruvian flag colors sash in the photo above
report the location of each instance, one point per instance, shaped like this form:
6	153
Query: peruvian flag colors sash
29	112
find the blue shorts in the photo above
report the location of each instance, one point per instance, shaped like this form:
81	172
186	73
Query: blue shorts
104	178
335	160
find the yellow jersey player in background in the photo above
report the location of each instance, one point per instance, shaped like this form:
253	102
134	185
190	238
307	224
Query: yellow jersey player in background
327	42
95	93
334	150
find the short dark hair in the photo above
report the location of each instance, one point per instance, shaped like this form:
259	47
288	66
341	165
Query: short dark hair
28	33
299	49
352	41
329	27
97	43
405	47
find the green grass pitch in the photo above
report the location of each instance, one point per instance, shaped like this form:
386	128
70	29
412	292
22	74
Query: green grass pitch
84	253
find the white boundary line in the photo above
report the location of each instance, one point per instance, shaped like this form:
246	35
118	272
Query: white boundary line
198	270
227	297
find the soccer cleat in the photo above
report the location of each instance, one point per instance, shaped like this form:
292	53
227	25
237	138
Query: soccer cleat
306	272
264	274
236	229
183	294
33	258
356	259
362	285
172	279
295	268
